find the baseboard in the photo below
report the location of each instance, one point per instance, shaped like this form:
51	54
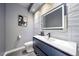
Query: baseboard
2	53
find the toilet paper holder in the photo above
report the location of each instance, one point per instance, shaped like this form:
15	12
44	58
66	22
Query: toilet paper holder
19	37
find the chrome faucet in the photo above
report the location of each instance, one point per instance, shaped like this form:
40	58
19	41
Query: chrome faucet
49	35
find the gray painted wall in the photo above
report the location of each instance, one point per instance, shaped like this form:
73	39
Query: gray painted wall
2	42
12	28
72	33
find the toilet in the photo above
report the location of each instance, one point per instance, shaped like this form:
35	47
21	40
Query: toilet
29	46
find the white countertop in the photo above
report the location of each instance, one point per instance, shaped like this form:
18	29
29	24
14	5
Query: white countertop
66	46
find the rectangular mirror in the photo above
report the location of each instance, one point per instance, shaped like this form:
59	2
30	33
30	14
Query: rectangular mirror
55	18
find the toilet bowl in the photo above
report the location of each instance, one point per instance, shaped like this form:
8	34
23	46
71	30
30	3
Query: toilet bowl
29	46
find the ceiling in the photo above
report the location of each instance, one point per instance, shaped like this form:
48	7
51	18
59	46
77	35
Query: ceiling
35	7
31	7
26	5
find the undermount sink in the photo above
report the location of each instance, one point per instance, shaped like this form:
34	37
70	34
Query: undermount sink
46	37
49	38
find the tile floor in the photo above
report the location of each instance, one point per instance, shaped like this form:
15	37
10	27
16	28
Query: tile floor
30	54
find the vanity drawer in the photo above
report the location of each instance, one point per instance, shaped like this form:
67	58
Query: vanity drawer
39	52
45	48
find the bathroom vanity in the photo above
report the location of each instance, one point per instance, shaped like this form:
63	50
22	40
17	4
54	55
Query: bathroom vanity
53	47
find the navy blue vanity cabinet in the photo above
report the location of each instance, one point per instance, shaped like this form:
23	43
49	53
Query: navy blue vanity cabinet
43	49
37	50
